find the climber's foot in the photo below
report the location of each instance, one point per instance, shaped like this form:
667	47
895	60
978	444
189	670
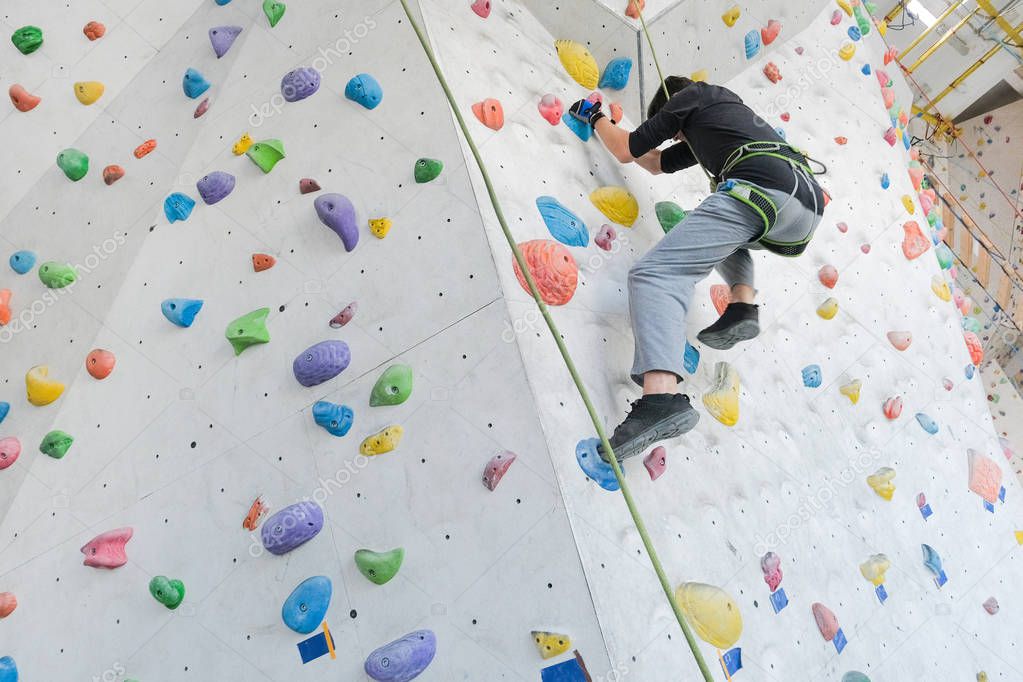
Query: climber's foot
653	418
740	322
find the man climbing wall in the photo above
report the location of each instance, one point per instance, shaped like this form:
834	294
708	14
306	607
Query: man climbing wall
763	196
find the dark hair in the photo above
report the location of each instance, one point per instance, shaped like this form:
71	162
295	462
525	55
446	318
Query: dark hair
675	84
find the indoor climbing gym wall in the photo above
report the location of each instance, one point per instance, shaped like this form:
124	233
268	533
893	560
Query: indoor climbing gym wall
276	403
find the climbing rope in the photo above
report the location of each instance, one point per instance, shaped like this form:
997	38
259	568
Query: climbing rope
569	363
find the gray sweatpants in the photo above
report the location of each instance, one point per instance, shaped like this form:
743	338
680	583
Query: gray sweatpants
717	235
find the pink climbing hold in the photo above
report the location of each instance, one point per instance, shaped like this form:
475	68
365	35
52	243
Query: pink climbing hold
827	622
770	564
916	176
551	109
772	72
106	550
203	107
656	462
308	185
634	8
10	450
22	99
769	33
828	275
842	227
865	248
481	8
882	78
720	296
888	95
985	476
891	137
345	316
900	340
496	468
892	407
974	346
8	602
605	238
786	116
553	269
921	499
836	17
595	97
991	605
947	383
799	51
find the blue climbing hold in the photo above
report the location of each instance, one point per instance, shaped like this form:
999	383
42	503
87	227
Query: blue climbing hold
690	358
181	311
752	44
582	129
194	83
593	466
564	225
568	671
932	561
781	133
812	376
178	206
927	423
865	70
8	670
885	181
906	140
854	33
616	74
222	2
22	261
5	408
970	369
365	90
305	608
336	419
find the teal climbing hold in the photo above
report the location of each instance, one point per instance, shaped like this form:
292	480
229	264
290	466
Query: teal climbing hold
812	376
266	154
306	606
335	419
582	129
22	261
855	676
194	83
181	311
945	256
56	275
248	330
599	471
178	206
379	567
393	387
427	169
74	163
669	214
8	670
616	74
56	444
5	408
565	226
752	41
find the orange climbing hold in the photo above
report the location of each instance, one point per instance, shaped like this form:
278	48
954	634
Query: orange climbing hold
772	72
22	99
616	112
5	306
100	363
916	176
985	476
914	243
634	8
490	113
553	269
8	602
974	346
94	30
257	511
262	261
144	148
769	33
841	141
720	296
112	174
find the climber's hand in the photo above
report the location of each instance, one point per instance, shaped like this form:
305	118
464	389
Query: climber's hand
586	111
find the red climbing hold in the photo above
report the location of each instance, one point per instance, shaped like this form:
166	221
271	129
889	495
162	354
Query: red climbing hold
772	72
481	8
8	602
551	109
720	296
144	148
22	99
656	462
100	363
112	174
553	269
914	243
786	116
257	510
890	54
308	185
828	275
345	316
94	30
496	468
892	407
841	141
203	107
769	33
891	137
262	261
616	112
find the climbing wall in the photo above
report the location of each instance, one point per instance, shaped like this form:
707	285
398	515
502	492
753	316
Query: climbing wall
790	477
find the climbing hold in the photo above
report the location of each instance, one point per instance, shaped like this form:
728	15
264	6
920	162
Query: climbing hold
74	163
874	568
242	145
892	407
337	212
969	371
891	137
8	602
842	227
481	8
335	419
178	206
731	16
321	362
595	468
248	330
168	592
617	203
785	116
865	248
690	358
56	275
181	311
306	606
22	99
382	442
345	316
563	225
669	214
885	181
496	468
616	74
40	389
202	108
403	659
144	149
578	62
799	51
291	527
927	423
581	129
379	567
944	255
553	269
752	42
10	450
215	186
426	170
300	83
722	400
900	340
846	6
193	83
828	309
861	19
56	443
5	306
974	346
812	376
774	74
27	39
393	387
828	276
222	38
847	51
841	141
827	622
720	296
8	670
94	30
605	237
307	186
991	605
634	8
947	384
770	565
273	11
262	261
985	476
616	112
490	113
854	33
266	154
715	617
112	174
379	227
257	510
656	462
852	390
365	90
5	408
907	203
881	481
769	33
551	109
836	18
551	644
932	562
106	550
914	243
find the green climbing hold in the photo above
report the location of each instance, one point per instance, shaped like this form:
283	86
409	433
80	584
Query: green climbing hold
428	169
669	214
74	163
393	387
379	567
27	39
168	592
266	154
273	11
248	330
56	276
56	444
861	20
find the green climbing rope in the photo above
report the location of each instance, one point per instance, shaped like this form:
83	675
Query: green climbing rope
569	363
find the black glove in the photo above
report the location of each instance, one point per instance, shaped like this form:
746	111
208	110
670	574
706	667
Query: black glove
586	111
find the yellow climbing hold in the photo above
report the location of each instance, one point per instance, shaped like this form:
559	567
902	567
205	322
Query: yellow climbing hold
852	390
242	145
846	7
940	288
1019	537
40	388
617	203
731	16
882	28
711	611
881	482
88	92
379	227
700	76
551	644
907	202
847	51
873	569
382	442
722	401
982	676
828	309
578	62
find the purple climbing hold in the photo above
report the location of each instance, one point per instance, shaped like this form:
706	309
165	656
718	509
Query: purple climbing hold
321	362
301	83
403	659
222	38
215	186
338	213
291	527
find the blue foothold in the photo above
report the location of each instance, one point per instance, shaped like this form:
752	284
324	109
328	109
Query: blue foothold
565	226
781	133
752	44
854	33
568	671
336	419
885	181
178	206
365	90
969	371
926	423
865	70
690	359
5	408
616	74
307	605
181	311
22	261
812	377
582	129
222	2
779	600
194	84
593	466
8	670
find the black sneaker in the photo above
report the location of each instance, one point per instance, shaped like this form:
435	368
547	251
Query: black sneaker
740	322
652	418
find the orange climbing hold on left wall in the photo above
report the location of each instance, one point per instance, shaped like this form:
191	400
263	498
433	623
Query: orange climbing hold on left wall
554	270
490	113
5	306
